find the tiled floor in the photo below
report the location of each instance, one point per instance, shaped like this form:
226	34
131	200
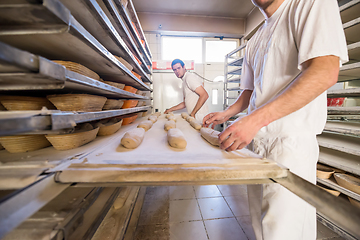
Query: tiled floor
200	212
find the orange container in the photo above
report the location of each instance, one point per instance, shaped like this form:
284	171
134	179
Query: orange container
130	104
136	75
130	89
129	120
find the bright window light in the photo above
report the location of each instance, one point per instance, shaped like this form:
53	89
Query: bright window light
214	99
216	50
184	48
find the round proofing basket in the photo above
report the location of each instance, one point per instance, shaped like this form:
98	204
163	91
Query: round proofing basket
347	181
333	192
106	130
113	104
24	143
78	102
21	103
72	140
78	68
124	62
114	84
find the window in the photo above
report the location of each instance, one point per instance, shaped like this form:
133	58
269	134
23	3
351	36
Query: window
184	48
217	49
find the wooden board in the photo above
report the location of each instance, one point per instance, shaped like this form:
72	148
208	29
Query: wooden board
154	161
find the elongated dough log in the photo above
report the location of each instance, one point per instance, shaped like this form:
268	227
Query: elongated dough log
153	118
147	124
184	115
173	118
190	118
210	135
196	124
169	124
133	138
176	138
170	116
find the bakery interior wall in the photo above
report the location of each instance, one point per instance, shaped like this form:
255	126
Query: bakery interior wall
167	90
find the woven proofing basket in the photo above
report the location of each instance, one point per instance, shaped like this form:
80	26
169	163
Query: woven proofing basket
113	104
72	140
24	143
106	130
20	103
114	84
78	102
78	68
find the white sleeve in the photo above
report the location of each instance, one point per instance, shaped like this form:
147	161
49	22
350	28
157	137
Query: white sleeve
319	31
247	75
194	82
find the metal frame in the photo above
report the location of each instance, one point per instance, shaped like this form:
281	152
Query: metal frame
65	42
16	122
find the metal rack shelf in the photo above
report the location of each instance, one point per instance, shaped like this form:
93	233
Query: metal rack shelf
129	19
96	19
16	122
343	127
335	186
354	51
234	89
349	92
236	62
234	80
236	71
340	160
60	37
43	74
344	110
346	144
349	72
135	18
351	29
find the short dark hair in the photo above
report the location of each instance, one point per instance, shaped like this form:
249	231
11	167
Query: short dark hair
175	61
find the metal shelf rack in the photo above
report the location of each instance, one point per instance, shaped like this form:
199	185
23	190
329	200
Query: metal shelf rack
60	36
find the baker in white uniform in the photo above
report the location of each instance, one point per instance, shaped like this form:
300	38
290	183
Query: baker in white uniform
195	95
289	64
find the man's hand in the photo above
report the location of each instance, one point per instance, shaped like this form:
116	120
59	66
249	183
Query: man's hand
214	118
167	111
239	134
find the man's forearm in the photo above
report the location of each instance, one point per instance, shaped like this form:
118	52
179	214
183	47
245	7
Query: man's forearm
320	74
177	107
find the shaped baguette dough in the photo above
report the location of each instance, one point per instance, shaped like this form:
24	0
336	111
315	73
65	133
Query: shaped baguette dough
170	116
147	124
173	118
196	124
190	118
176	138
153	118
133	138
184	115
169	124
210	135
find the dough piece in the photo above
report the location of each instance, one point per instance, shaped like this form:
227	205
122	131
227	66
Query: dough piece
184	115
169	124
173	118
133	138
210	135
147	124
170	116
196	124
153	118
158	114
190	118
176	138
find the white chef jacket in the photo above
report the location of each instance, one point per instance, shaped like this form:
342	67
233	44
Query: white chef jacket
298	31
190	82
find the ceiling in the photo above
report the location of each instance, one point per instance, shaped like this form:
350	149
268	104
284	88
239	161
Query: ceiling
214	8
